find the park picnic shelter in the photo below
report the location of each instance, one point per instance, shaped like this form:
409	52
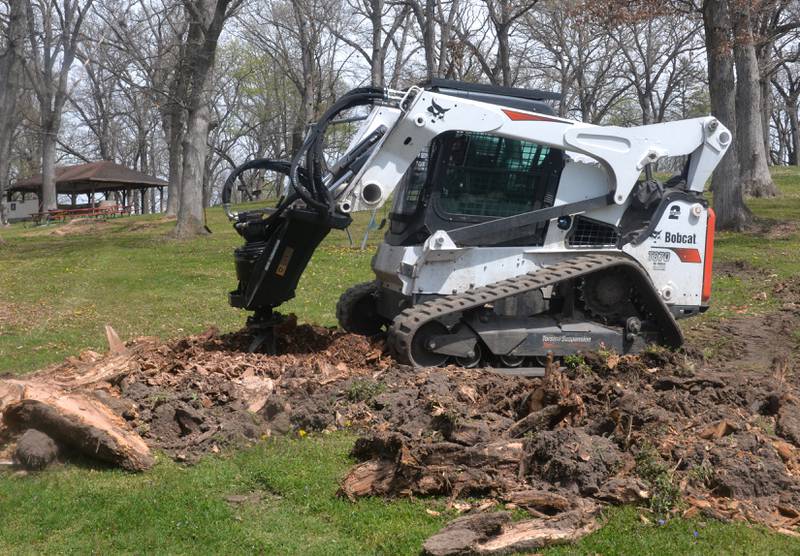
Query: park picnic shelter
96	182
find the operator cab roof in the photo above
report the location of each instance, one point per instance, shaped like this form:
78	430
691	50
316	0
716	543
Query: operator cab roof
531	100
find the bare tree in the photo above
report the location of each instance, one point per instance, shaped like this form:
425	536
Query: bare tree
500	20
786	82
54	31
206	19
152	36
295	35
753	168
658	52
774	23
13	33
95	98
581	57
382	22
729	205
436	21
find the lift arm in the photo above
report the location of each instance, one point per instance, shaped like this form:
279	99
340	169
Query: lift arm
623	152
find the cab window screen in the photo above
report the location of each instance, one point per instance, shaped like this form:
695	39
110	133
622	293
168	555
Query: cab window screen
410	186
486	175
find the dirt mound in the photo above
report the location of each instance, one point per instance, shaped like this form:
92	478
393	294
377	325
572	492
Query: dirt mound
775	229
739	269
81	226
148	224
199	394
13	314
740	341
677	432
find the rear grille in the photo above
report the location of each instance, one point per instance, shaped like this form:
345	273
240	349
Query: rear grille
589	233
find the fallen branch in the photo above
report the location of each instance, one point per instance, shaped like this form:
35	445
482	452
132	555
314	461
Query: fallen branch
495	533
78	422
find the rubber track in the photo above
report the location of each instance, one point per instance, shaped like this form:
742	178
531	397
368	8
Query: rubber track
406	324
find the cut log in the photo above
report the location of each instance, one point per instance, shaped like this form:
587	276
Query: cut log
538	499
81	374
717	430
79	422
495	533
533	534
461	535
10	392
369	478
256	390
788	423
544	419
497	453
623	490
115	345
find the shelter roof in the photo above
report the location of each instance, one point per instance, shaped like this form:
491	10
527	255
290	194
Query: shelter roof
93	176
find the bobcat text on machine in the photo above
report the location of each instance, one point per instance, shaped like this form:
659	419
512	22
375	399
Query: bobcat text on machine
513	233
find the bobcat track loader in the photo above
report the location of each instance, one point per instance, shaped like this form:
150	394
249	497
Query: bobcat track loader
513	234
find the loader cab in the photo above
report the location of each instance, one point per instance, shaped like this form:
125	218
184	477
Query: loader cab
465	178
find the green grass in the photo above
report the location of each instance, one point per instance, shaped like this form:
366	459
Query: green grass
173	509
58	292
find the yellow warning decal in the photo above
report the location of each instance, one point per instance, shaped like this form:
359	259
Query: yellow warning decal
284	264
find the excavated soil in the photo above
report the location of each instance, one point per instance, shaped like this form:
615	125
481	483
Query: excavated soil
203	393
81	226
680	432
775	229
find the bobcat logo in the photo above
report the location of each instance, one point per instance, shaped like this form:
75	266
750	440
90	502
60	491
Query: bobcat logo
656	234
437	111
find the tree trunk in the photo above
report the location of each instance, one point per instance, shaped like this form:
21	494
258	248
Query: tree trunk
426	17
765	90
207	185
644	104
732	213
795	131
191	219
201	44
753	167
10	86
504	53
5	164
500	15
49	199
308	93
174	122
446	25
175	149
378	52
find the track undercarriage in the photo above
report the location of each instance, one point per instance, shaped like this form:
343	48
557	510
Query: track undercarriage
591	307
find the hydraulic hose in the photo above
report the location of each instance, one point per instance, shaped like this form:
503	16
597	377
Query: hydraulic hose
318	195
306	181
280	166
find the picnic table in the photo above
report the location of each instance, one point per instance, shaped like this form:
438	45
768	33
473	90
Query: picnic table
62	215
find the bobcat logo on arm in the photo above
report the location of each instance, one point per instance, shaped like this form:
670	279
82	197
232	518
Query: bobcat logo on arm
656	234
437	111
